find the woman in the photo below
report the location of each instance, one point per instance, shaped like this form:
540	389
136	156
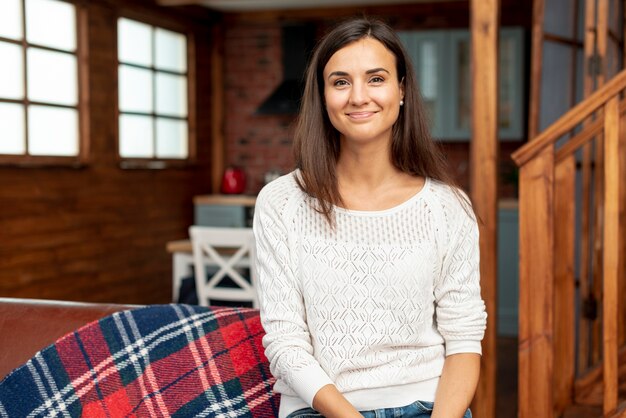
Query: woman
367	255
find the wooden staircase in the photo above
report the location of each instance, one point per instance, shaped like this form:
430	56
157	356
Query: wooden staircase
572	336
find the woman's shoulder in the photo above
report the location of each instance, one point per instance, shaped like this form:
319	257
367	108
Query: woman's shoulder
277	194
452	199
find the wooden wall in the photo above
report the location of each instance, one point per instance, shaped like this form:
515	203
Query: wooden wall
98	233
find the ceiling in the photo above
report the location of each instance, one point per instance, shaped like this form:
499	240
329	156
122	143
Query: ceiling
259	5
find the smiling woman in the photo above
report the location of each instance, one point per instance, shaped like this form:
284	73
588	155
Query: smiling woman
367	254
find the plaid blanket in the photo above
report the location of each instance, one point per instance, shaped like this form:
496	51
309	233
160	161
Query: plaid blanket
158	361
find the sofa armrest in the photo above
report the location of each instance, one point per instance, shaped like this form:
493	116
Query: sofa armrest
29	325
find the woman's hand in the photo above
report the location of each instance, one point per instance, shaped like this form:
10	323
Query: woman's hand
332	404
457	385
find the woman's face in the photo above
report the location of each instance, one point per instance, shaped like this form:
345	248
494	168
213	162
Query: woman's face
362	92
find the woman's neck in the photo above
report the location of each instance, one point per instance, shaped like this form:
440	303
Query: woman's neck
370	182
365	173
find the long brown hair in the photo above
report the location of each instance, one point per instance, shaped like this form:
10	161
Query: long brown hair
316	141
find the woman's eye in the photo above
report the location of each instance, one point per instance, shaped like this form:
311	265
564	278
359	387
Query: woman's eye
377	79
340	83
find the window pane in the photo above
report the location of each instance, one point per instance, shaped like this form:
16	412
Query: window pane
170	51
51	23
52	77
135	89
171	91
52	131
11	71
12	139
11	19
171	138
429	70
136	138
134	42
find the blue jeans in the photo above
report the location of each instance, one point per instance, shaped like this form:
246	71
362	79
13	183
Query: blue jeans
418	409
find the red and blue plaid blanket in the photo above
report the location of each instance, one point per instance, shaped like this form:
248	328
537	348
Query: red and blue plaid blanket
158	361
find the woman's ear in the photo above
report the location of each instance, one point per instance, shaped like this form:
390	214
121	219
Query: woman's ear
402	89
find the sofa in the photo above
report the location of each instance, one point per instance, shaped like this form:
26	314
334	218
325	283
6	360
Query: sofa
89	360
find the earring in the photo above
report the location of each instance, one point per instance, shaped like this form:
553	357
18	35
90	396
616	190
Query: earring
401	102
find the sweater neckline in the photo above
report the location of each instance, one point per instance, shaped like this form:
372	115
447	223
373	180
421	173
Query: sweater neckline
390	210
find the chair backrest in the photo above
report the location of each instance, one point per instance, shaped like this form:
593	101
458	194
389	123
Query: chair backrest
230	252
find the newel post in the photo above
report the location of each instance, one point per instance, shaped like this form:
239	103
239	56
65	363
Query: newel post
536	286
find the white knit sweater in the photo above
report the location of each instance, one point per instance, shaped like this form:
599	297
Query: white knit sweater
373	306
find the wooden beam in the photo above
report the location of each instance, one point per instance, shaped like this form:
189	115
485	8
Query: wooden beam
536	287
485	15
218	146
610	256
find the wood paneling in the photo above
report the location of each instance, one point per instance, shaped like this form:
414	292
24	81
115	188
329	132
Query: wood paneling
98	232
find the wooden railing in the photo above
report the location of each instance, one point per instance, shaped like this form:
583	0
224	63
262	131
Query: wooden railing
554	167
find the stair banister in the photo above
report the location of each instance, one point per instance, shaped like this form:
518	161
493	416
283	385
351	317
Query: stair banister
543	192
569	120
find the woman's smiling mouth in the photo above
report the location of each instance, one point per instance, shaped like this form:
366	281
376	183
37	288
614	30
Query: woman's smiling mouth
360	115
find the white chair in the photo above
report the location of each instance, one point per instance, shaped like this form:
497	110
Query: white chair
230	250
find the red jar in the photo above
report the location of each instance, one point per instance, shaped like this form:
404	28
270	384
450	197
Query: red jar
234	181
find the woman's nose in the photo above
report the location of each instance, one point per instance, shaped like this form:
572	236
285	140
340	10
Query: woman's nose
358	94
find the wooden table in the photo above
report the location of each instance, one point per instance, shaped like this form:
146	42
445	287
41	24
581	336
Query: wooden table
225	199
182	262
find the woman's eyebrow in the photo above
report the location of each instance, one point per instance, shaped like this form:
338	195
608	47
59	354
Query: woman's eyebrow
376	70
343	73
337	74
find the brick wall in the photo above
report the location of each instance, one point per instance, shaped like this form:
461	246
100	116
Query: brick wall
253	69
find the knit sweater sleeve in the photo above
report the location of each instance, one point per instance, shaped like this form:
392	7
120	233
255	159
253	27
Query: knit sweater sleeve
461	316
287	342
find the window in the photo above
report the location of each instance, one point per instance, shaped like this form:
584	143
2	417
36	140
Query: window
39	81
442	66
153	98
